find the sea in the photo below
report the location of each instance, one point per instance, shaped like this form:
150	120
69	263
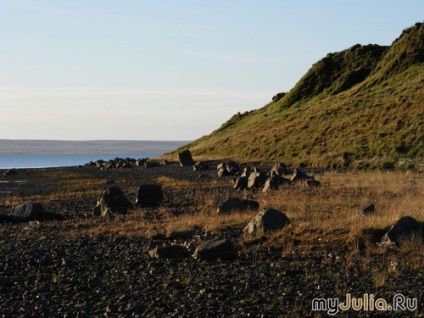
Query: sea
39	154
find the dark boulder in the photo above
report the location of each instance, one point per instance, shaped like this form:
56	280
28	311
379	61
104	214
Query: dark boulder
241	183
200	166
300	175
185	158
236	204
31	211
256	179
228	168
279	169
217	249
405	228
149	195
273	183
268	220
113	200
232	168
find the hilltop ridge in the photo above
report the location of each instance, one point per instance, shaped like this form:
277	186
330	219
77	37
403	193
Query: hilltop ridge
358	108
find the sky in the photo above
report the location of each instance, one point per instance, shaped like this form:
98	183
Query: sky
168	70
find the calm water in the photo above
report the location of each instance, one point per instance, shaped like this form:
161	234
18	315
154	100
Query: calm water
8	161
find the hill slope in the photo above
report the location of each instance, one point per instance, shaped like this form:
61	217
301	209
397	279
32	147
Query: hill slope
362	107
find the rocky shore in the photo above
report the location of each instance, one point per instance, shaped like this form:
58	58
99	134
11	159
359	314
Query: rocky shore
81	267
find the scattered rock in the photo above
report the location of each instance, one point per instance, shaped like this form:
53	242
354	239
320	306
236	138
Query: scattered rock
268	220
241	183
185	158
217	249
279	169
113	200
236	204
405	228
200	166
31	211
273	183
299	175
256	179
149	195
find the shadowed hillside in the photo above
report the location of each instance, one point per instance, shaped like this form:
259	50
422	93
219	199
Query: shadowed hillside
359	108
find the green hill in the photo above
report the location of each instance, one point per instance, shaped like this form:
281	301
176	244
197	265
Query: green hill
358	108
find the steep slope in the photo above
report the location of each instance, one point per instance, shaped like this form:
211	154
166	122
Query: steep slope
362	107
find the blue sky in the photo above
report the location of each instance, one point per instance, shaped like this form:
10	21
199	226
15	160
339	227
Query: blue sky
167	70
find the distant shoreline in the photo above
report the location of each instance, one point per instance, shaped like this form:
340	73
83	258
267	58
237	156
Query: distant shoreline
74	147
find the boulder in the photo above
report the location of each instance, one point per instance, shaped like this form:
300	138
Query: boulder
113	200
272	183
300	175
185	158
236	204
246	172
241	183
169	252
232	168
279	169
200	166
256	179
268	220
222	171
149	195
406	227
32	211
216	249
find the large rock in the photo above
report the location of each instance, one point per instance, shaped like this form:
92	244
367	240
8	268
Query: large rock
256	179
185	158
405	228
149	195
236	204
241	183
300	175
113	200
228	168
32	211
273	183
278	169
268	220
218	249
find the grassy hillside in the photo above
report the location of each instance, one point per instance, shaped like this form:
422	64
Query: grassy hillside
362	107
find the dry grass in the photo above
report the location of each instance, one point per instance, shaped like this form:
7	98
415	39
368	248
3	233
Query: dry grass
321	218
